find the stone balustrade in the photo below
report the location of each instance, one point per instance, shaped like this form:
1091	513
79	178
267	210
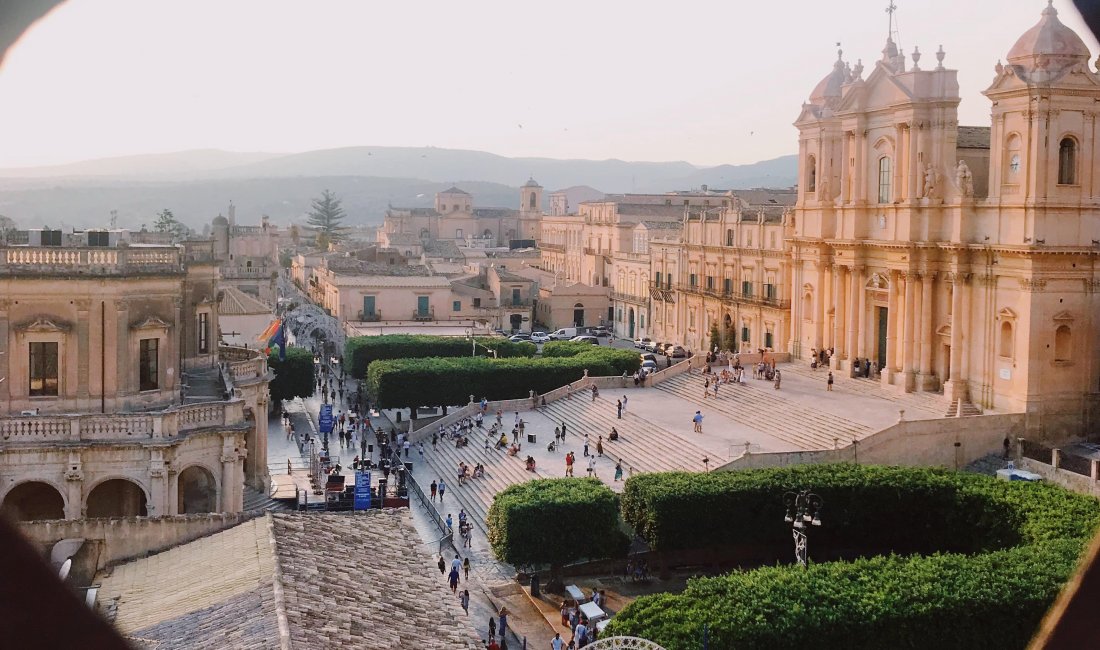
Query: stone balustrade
121	426
56	259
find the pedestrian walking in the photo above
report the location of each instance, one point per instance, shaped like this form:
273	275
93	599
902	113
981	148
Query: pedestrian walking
586	445
619	409
698	421
569	464
492	629
829	382
442	489
452	579
563	429
464	600
557	643
450	528
778	379
433	487
706	388
624	403
442	564
599	447
618	470
406	446
420	448
466	567
591	466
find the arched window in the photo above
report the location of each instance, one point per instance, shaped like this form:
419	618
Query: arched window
1012	159
532	203
811	174
729	237
885	179
1006	339
807	305
1067	162
1062	343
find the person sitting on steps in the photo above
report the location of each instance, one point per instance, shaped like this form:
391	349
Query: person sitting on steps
614	435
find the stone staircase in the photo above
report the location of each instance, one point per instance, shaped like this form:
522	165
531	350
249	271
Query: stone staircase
766	410
501	471
968	408
257	500
931	403
641	445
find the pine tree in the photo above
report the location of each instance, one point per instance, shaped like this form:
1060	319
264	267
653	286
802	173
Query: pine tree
325	220
167	222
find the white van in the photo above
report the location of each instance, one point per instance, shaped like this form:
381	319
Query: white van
564	334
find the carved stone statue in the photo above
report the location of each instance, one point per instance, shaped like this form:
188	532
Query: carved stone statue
930	182
964	179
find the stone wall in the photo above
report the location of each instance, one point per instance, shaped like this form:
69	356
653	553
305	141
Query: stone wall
1060	477
110	541
912	442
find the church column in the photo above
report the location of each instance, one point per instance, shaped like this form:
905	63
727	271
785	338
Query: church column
83	354
855	313
861	331
963	317
845	170
6	360
860	179
953	389
838	316
74	486
910	329
892	328
123	377
913	191
926	380
819	317
899	151
794	343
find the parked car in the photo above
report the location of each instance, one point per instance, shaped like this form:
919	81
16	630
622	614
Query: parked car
601	331
642	342
648	356
564	334
519	338
585	339
648	367
656	347
676	352
539	337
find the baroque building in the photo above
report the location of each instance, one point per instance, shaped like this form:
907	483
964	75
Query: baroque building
115	396
958	259
248	256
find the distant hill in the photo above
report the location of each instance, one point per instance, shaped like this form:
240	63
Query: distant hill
197	185
195	203
170	166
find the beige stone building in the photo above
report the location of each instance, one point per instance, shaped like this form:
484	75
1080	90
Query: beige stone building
959	259
115	396
248	255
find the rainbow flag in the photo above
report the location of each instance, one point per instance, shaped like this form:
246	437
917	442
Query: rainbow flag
270	331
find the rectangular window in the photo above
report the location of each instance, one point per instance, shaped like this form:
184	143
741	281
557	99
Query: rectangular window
745	334
477	302
422	305
204	333
99	238
516	297
768	340
43	369
368	306
148	378
884	180
657	279
769	291
710	282
51	237
727	285
692	280
457	306
746	288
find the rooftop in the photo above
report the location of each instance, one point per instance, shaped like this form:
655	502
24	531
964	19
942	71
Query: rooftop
235	302
228	590
973	137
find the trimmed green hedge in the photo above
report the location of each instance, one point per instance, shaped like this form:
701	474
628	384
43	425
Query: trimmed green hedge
294	377
361	351
416	382
555	521
1025	539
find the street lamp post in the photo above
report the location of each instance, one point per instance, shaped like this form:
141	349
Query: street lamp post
803	511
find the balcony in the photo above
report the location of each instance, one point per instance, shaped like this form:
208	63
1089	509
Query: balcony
557	248
121	426
424	316
507	304
629	297
51	260
369	317
735	296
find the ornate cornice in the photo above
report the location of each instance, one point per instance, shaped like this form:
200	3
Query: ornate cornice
150	323
43	326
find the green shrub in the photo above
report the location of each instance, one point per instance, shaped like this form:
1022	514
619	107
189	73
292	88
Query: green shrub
565	348
555	521
361	351
992	600
447	381
294	377
1024	539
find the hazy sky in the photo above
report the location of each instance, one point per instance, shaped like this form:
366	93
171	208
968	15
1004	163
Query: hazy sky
707	82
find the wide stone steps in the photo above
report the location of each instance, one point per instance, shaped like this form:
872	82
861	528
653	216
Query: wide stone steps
256	500
933	403
968	408
641	445
501	471
767	411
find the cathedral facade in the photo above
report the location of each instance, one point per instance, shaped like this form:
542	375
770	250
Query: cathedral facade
956	259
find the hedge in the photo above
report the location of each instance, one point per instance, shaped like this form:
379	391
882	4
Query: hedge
1024	541
448	381
294	376
361	351
555	521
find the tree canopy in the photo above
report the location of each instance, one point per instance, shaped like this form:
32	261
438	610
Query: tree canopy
294	377
167	222
325	219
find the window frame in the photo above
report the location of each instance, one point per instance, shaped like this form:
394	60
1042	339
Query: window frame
149	364
41	362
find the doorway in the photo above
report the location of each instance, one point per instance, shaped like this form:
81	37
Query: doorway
578	315
883	322
630	324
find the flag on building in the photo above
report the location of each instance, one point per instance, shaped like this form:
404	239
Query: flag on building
279	339
270	330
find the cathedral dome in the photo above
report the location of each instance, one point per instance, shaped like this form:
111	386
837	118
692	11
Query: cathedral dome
1048	49
532	183
829	88
221	221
